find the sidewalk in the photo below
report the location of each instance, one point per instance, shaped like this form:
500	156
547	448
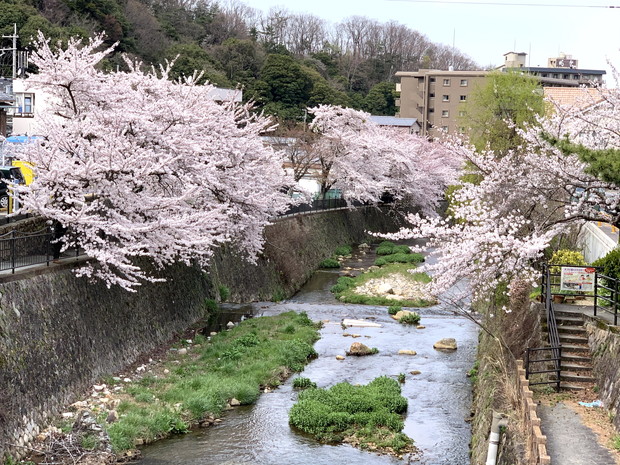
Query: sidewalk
569	440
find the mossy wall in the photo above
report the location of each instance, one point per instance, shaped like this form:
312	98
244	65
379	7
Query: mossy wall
59	333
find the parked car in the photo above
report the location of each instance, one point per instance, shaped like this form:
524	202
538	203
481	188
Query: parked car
8	175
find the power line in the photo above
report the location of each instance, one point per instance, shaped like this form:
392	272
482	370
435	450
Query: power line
465	2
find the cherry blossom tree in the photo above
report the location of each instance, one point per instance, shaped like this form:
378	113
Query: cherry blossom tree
501	225
364	160
136	165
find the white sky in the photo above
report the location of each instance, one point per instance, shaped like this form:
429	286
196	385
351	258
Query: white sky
486	32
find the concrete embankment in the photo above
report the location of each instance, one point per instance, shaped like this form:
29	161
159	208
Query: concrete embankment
59	333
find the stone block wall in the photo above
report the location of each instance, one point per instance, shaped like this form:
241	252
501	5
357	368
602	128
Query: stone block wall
59	333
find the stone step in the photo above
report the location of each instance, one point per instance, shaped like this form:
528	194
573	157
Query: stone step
579	358
574	349
569	320
567	366
573	377
573	387
573	339
572	329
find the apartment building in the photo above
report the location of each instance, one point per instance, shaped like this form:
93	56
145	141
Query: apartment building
435	98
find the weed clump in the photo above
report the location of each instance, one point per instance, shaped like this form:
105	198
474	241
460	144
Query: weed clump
412	318
367	416
394	309
303	383
343	250
329	263
399	258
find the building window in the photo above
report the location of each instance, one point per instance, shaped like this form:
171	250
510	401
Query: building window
445	98
431	110
24	103
463	98
445	113
444	129
446	82
462	113
431	95
432	79
463	82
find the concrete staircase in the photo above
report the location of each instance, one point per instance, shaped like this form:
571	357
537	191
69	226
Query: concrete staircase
576	363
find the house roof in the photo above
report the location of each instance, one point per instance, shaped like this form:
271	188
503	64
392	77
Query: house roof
220	94
580	97
393	121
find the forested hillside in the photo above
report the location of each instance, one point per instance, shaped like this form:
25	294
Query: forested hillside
284	60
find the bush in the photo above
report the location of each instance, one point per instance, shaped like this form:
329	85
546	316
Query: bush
609	265
412	318
329	263
394	309
211	306
343	250
566	257
303	383
389	248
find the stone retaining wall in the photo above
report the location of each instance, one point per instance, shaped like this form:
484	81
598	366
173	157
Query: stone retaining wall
536	441
604	341
59	333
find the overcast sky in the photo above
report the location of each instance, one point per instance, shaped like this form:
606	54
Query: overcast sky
486	31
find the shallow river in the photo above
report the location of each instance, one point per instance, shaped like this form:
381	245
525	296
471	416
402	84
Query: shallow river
439	397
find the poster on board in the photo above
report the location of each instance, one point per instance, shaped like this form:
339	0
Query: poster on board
577	278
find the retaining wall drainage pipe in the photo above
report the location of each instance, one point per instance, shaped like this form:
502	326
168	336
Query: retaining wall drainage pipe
499	420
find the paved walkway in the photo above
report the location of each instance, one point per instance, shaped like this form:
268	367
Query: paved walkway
569	441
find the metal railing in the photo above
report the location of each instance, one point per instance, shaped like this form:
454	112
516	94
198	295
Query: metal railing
554	349
22	249
319	205
606	290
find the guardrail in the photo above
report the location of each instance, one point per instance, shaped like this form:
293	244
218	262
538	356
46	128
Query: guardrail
21	249
319	205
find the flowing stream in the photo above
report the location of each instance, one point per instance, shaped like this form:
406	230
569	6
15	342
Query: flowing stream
439	397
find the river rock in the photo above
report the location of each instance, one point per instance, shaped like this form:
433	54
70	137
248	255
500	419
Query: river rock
400	314
416	372
230	325
234	402
183	351
445	344
339	357
407	352
420	327
359	349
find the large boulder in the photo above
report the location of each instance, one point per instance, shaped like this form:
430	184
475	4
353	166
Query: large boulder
401	313
359	349
448	344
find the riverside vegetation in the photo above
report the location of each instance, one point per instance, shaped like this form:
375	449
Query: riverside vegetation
367	416
193	385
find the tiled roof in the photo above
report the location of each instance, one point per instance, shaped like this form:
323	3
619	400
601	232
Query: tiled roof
581	97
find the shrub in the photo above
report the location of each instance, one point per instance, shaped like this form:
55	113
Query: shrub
566	257
343	250
609	265
303	383
401	378
412	318
394	309
329	263
389	248
211	306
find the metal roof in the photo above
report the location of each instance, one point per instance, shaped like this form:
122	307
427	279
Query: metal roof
393	121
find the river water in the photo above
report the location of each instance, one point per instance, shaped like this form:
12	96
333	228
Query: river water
439	397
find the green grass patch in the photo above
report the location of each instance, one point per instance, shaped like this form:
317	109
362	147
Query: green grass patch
234	364
343	250
329	263
345	286
368	416
400	258
394	309
389	248
303	383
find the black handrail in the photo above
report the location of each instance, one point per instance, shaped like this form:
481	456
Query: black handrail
555	348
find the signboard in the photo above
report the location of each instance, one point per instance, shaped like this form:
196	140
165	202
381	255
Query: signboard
577	278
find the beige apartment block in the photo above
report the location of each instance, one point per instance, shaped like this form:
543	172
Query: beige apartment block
436	98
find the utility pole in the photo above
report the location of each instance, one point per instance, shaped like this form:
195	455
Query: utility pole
13	50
